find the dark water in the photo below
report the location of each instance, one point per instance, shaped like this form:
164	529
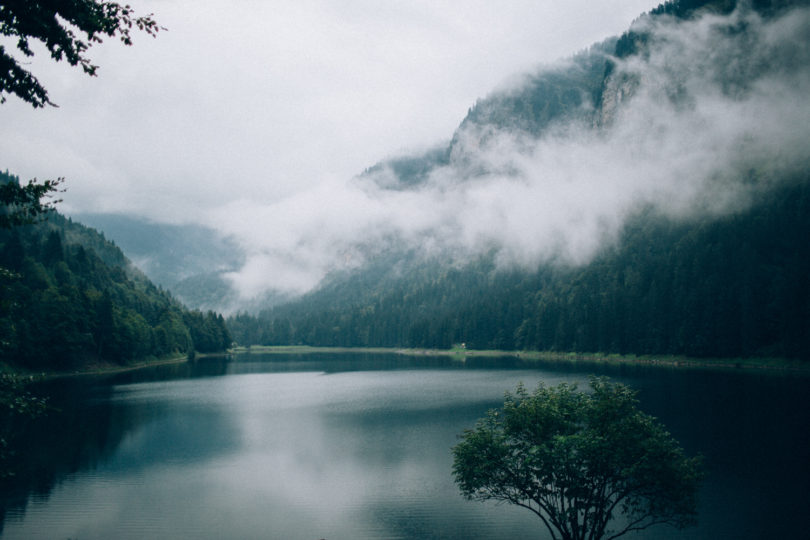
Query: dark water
352	447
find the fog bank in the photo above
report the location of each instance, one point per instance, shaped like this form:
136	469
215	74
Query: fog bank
717	111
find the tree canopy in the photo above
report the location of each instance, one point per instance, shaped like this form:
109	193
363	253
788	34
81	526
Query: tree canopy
25	204
69	297
590	465
67	29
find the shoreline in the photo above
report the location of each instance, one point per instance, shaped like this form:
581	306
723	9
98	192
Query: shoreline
669	361
94	369
458	354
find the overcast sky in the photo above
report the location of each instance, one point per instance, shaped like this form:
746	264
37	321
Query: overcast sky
257	100
255	118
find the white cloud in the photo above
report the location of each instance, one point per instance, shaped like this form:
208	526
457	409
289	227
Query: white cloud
570	191
259	100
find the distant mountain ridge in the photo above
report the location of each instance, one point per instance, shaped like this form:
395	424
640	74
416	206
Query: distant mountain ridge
188	260
704	280
583	89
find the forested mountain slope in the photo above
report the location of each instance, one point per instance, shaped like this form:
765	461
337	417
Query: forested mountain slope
703	251
69	297
584	89
188	260
735	286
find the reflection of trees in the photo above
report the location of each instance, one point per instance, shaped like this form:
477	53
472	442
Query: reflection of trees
72	436
82	429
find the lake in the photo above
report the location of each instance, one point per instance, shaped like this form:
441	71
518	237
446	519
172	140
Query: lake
357	446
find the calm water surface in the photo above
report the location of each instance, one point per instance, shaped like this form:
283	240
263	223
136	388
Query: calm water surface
358	446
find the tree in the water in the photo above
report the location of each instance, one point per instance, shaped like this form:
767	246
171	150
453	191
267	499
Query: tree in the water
589	464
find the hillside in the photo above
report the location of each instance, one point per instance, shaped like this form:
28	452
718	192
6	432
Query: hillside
584	90
720	288
69	297
188	260
703	252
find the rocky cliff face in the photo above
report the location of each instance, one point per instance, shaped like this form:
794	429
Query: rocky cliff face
617	88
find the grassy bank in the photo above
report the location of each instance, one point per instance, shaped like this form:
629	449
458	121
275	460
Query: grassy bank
457	353
461	354
94	368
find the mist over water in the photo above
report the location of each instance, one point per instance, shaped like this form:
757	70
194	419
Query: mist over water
713	112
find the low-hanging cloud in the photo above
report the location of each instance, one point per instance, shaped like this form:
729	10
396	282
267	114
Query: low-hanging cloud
268	98
719	110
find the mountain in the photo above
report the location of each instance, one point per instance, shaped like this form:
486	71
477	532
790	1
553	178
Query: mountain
719	288
70	298
686	235
586	89
189	260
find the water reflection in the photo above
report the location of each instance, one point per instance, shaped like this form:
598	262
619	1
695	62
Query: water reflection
752	430
324	446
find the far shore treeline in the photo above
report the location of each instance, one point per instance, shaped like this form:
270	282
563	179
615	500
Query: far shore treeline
724	288
70	298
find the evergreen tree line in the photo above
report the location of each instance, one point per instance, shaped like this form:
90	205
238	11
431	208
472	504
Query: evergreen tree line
64	304
734	286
